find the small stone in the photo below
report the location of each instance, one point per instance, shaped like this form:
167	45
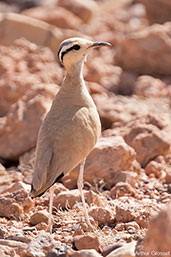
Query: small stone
102	215
38	217
121	189
120	226
86	242
58	251
131	224
67	199
42	226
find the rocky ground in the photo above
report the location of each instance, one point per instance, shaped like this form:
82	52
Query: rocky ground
127	178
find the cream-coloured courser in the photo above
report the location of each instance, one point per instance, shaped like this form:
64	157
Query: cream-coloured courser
72	126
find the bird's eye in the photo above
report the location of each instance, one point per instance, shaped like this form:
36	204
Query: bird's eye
76	47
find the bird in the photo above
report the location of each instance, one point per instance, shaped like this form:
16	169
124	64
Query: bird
71	128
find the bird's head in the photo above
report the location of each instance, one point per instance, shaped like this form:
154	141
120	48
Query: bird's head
74	50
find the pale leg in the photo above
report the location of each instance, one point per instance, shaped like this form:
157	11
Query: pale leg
50	219
80	187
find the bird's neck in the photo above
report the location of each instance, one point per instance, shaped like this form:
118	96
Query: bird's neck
74	74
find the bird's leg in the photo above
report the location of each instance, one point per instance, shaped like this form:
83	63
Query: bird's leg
50	219
80	187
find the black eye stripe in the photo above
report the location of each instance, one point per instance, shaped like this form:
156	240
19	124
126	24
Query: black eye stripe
74	47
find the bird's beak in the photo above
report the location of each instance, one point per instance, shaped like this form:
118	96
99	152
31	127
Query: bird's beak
98	44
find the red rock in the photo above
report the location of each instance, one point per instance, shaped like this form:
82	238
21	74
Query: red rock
57	16
148	86
38	217
129	209
30	63
142	51
95	199
23	121
161	168
121	189
97	69
120	226
162	10
154	168
67	199
86	242
148	142
114	110
84	10
101	215
157	239
41	226
130	225
110	155
128	177
11	205
16	187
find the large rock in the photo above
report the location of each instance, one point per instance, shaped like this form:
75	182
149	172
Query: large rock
162	10
59	17
157	239
22	65
110	155
15	204
19	128
148	86
148	142
39	32
118	109
83	9
147	51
